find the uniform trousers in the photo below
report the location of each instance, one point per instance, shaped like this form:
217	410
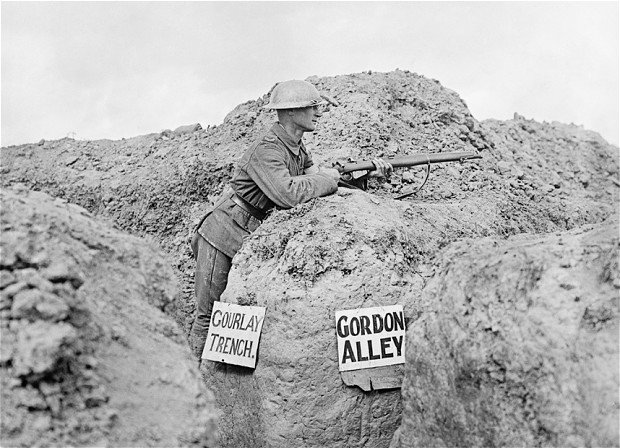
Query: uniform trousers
212	268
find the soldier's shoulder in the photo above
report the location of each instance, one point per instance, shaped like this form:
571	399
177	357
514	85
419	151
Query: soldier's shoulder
269	137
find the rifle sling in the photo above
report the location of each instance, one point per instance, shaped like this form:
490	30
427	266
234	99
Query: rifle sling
428	172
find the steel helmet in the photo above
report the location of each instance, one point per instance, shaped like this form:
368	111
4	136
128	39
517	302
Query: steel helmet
294	94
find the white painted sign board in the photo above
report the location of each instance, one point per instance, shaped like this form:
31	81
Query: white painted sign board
234	334
370	337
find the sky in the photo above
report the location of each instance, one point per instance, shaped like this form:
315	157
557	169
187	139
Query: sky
91	70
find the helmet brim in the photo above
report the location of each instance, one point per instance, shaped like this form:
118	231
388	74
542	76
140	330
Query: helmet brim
295	105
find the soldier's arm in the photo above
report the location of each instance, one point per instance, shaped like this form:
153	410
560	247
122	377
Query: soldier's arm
267	168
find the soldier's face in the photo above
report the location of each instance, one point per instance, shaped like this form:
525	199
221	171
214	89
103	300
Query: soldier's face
307	117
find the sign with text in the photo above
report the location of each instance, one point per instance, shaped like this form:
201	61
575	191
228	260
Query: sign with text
234	334
370	337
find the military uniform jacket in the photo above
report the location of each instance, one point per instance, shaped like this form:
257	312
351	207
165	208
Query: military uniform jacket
270	174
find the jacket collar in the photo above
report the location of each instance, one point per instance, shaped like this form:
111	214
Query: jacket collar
281	133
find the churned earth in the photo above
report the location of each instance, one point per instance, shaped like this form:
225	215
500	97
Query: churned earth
517	344
88	356
542	182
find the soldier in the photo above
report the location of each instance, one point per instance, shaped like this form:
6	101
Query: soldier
275	171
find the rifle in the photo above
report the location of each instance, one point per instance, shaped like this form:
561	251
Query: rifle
405	161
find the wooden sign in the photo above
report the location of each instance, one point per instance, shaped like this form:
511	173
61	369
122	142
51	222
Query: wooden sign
370	337
234	334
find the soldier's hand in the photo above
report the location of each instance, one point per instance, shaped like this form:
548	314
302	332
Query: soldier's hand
383	168
331	172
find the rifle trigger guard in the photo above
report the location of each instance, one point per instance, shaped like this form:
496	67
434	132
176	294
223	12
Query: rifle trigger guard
428	172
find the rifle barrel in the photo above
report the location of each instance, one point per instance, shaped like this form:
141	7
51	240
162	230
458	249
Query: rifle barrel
412	160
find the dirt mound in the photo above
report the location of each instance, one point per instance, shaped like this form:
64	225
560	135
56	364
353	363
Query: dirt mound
517	344
159	184
302	265
87	355
332	254
534	177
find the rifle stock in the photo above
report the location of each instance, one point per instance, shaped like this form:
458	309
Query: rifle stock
406	161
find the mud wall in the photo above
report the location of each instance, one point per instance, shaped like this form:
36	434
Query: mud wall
87	356
160	184
540	178
347	251
516	344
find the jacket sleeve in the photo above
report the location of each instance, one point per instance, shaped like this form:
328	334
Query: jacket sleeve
267	168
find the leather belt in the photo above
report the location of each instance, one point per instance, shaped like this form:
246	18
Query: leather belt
245	205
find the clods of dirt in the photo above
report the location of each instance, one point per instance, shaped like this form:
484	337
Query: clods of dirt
534	181
87	356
